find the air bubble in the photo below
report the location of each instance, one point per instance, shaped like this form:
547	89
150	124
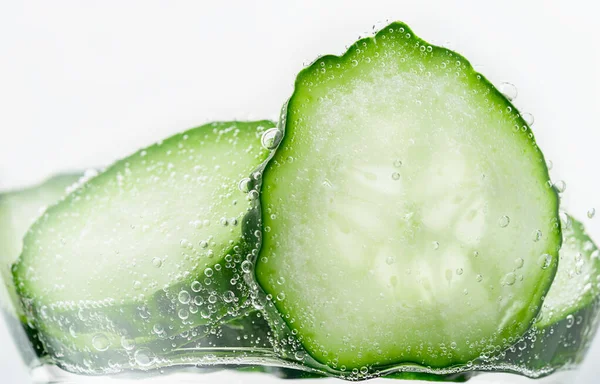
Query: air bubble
528	118
560	186
453	345
184	297
397	163
570	321
545	260
252	195
509	91
591	213
281	280
228	296
245	184
144	357
537	235
158	329
247	266
390	260
504	221
565	220
459	271
549	164
137	285
395	176
281	296
127	344
100	342
436	245
479	278
157	262
208	272
519	262
354	63
271	138
183	314
509	279
298	355
203	244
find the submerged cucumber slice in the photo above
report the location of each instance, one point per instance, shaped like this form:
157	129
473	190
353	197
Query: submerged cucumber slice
571	311
400	210
150	248
576	283
18	210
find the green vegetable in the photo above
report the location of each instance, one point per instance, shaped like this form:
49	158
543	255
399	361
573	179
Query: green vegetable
152	247
18	210
401	210
570	314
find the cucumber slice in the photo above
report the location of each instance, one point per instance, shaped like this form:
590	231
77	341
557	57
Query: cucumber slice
576	283
150	248
243	340
400	210
18	210
571	311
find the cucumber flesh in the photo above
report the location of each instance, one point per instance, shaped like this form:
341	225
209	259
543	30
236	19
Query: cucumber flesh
150	248
400	209
570	313
18	210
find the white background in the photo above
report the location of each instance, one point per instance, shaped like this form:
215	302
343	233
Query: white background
85	82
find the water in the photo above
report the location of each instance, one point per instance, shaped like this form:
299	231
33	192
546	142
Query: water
208	376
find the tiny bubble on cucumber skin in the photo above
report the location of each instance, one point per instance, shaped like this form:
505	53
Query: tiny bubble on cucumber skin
271	138
560	186
509	90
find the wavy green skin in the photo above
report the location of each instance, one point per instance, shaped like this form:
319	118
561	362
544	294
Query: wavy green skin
562	339
68	329
310	75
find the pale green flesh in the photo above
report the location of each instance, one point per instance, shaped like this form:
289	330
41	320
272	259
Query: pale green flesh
155	219
578	276
377	263
18	210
